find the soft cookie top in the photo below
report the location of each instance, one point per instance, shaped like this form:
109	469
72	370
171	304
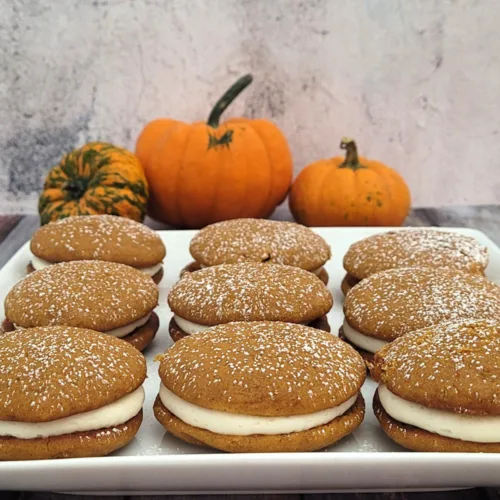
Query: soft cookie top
98	295
454	366
263	369
55	372
98	237
415	248
391	303
259	240
249	292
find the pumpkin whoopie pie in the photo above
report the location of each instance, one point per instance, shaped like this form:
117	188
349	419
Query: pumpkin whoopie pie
439	388
391	303
412	248
247	292
259	240
261	387
103	296
67	392
98	237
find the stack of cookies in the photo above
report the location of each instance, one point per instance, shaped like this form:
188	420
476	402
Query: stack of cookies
247	292
253	367
105	238
263	241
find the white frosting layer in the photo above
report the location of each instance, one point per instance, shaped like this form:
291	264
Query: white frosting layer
188	326
38	264
362	341
192	328
110	415
317	271
234	424
478	429
123	331
151	271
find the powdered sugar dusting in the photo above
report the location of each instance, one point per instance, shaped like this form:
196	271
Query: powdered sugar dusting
415	247
392	303
259	240
250	292
100	237
454	366
263	368
89	294
54	372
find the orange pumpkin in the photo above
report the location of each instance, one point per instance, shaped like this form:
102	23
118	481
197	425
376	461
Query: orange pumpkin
350	191
203	173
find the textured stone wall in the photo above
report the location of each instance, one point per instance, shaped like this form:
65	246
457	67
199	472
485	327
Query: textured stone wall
417	83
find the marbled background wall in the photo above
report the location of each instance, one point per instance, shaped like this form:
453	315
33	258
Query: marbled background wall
417	83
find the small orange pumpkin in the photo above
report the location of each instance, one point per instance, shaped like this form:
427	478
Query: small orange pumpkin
203	173
350	191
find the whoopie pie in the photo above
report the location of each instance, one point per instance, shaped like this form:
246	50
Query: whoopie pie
439	388
391	303
98	237
260	240
67	392
247	292
416	247
103	296
261	387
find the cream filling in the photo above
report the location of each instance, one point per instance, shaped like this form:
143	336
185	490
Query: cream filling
189	327
234	424
110	415
192	328
317	272
38	264
362	341
477	429
121	332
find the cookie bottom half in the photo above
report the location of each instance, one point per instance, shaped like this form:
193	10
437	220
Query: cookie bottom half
177	333
144	335
77	445
416	439
313	439
348	282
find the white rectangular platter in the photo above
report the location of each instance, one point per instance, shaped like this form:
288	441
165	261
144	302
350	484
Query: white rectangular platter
156	462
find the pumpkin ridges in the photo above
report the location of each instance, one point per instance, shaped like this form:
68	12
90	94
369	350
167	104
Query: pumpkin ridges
280	160
195	175
309	176
161	172
249	150
77	185
398	206
149	137
320	185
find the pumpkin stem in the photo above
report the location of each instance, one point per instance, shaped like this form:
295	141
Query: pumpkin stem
228	97
75	188
351	156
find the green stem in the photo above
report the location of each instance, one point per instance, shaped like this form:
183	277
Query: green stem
228	97
351	156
